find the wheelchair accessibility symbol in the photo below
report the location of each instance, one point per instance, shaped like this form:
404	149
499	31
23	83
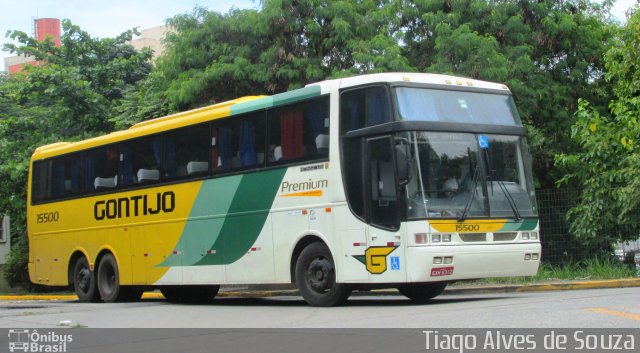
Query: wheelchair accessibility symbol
483	141
395	263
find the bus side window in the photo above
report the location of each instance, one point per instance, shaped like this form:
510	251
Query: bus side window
65	176
316	114
238	143
186	153
40	181
141	161
101	168
299	131
364	107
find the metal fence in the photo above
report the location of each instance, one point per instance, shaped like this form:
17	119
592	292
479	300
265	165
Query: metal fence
560	245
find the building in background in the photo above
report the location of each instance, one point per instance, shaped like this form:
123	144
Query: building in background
152	38
43	28
50	27
5	238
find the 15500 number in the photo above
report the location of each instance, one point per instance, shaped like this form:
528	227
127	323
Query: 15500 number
48	217
467	227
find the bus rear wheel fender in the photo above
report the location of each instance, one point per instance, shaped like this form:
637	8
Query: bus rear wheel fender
315	275
83	280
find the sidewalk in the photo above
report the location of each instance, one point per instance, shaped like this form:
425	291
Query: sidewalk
245	292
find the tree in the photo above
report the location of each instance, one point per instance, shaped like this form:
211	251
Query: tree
548	52
68	96
608	163
212	57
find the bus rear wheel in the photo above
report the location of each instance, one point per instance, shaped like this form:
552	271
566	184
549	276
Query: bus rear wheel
84	281
422	292
316	277
108	279
190	294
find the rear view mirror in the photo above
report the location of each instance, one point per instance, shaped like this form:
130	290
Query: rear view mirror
402	163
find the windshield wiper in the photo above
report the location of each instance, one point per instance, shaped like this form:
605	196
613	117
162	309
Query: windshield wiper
507	194
474	186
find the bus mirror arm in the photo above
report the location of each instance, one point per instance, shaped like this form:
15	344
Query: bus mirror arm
402	163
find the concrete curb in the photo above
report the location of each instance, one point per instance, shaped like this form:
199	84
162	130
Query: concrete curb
546	287
455	290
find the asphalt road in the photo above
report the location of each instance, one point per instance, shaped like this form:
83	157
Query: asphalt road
598	308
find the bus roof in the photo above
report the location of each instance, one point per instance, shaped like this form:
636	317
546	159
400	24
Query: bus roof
252	103
423	78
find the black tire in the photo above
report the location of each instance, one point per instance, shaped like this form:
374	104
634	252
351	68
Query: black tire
316	277
190	294
108	280
84	282
422	292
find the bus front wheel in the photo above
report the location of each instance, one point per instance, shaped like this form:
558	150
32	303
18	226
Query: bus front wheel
316	277
84	281
422	292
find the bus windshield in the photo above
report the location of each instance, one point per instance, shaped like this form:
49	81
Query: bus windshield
460	175
456	106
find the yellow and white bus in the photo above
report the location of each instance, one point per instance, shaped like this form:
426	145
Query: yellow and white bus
400	180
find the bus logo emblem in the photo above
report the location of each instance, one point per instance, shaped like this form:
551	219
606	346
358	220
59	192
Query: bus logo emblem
375	258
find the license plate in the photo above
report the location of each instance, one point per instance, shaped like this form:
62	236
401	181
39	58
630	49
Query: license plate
442	271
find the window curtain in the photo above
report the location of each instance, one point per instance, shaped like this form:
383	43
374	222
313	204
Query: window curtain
170	168
127	166
316	113
89	173
58	177
225	146
377	107
75	175
291	134
157	151
355	110
247	143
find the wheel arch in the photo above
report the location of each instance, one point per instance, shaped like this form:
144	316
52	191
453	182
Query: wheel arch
302	243
75	255
104	251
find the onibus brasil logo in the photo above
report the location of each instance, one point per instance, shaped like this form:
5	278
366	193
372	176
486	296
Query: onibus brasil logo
25	340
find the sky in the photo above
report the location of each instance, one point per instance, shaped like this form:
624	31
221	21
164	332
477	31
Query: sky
102	18
108	18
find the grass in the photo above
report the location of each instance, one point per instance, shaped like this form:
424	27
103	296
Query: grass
589	269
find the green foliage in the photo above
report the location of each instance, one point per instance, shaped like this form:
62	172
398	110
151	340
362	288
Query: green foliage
601	267
213	57
69	96
548	52
15	269
607	166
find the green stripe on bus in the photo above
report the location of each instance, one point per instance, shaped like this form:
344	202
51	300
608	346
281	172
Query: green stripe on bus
260	103
205	220
526	224
246	218
297	95
276	100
